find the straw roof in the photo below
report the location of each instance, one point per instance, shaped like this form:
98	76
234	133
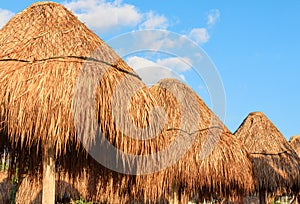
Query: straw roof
276	165
215	168
222	174
87	185
30	190
295	143
178	98
56	74
44	49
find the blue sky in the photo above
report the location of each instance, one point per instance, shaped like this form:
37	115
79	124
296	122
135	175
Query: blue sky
254	45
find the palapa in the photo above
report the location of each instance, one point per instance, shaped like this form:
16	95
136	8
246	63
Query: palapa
59	82
276	165
204	169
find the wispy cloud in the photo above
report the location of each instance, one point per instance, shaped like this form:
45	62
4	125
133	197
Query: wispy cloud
153	71
154	21
178	64
212	17
5	15
199	35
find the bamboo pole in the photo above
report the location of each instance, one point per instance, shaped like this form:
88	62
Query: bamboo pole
48	195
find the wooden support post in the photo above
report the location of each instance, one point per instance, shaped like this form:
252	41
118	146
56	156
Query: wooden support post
262	197
48	195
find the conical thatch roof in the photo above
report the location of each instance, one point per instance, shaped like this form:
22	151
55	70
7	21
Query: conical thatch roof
55	74
276	165
178	98
59	82
215	168
43	50
295	143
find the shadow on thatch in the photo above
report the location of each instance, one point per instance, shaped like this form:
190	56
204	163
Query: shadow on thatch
88	185
30	191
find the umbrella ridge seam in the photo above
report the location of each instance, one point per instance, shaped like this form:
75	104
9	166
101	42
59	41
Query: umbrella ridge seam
74	57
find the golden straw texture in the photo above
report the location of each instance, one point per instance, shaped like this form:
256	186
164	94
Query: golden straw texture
276	165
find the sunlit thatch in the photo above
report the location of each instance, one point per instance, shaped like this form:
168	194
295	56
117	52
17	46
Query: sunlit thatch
211	161
276	165
59	82
49	61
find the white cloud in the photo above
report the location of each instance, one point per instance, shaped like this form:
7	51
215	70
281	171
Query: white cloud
139	62
213	17
103	16
154	21
5	15
199	35
151	72
178	64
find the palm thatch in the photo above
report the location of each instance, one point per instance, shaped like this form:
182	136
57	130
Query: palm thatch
30	191
43	50
87	186
276	165
59	82
48	63
171	93
211	161
295	143
221	175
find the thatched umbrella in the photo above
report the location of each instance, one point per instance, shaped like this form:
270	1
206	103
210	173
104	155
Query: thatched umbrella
210	160
56	77
276	165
